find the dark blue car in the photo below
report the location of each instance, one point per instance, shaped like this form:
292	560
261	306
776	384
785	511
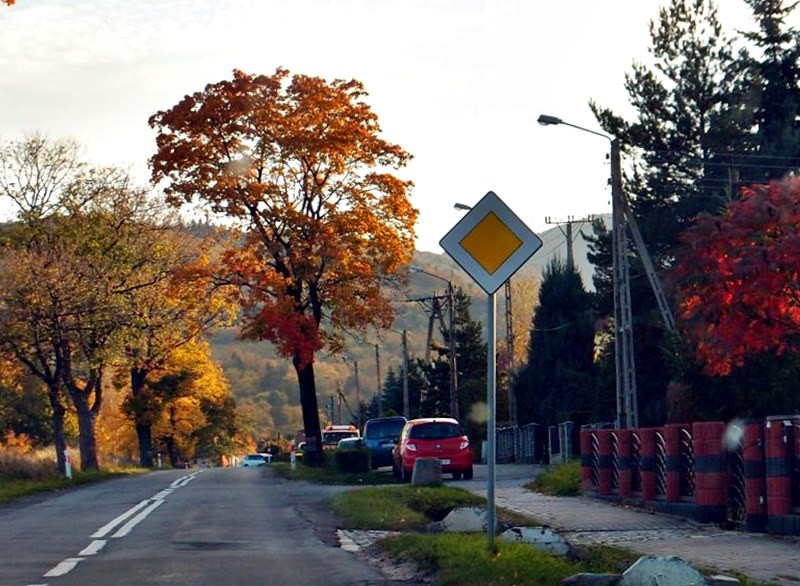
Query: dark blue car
380	436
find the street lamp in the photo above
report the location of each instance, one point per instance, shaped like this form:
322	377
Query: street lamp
452	345
627	408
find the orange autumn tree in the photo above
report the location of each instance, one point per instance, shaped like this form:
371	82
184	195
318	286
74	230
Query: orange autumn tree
300	164
739	278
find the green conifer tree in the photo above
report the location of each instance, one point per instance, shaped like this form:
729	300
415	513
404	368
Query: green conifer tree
557	382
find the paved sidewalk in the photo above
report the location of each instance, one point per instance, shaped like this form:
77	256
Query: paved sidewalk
584	520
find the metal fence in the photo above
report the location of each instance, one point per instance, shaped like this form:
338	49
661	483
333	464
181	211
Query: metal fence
522	444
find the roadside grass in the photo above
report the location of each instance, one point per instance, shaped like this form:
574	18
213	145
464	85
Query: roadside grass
399	508
464	559
25	474
327	474
558	480
461	558
14	489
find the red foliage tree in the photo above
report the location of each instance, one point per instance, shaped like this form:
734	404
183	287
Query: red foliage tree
739	278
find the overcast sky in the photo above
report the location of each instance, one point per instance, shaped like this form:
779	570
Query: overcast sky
457	83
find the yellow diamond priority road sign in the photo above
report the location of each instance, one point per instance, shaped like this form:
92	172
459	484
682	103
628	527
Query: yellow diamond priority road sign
490	243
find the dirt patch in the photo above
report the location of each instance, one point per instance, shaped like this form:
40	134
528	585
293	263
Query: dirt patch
394	571
326	526
323	520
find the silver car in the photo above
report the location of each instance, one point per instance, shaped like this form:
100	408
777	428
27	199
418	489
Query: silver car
254	460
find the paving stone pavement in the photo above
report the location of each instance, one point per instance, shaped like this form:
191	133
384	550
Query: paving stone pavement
585	520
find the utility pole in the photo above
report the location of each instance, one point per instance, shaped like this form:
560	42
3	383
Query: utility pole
379	392
358	393
568	234
436	312
627	403
452	349
512	401
452	352
622	217
649	269
406	410
338	419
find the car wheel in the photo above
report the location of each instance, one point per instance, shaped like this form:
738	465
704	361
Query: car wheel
468	473
456	475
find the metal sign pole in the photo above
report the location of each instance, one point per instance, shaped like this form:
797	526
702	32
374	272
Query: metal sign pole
490	243
491	393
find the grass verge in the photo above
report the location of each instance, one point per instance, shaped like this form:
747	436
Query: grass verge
459	558
399	508
559	480
327	474
14	489
465	560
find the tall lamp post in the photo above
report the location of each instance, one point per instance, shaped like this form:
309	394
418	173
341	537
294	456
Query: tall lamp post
452	342
627	407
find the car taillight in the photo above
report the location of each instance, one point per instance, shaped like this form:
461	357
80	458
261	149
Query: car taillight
463	445
411	447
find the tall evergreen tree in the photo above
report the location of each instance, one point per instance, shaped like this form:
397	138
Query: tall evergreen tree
693	118
392	399
775	74
694	114
556	384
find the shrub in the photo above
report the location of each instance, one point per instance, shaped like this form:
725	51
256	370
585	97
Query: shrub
30	466
352	460
559	480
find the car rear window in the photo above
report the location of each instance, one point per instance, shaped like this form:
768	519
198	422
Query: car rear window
333	437
384	429
435	430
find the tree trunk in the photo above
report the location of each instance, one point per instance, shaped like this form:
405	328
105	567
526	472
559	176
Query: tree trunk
87	440
144	431
308	401
172	452
54	395
81	395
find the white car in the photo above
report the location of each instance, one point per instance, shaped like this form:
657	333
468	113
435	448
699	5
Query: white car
254	460
350	442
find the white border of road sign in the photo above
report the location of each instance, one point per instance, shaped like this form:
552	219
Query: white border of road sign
451	243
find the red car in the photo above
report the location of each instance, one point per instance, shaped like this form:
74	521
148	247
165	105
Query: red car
435	437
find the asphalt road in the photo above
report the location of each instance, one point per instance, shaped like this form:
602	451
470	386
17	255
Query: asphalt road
185	527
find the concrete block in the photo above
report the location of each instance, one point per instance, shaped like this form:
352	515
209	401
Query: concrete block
427	472
591	580
464	520
661	571
542	538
